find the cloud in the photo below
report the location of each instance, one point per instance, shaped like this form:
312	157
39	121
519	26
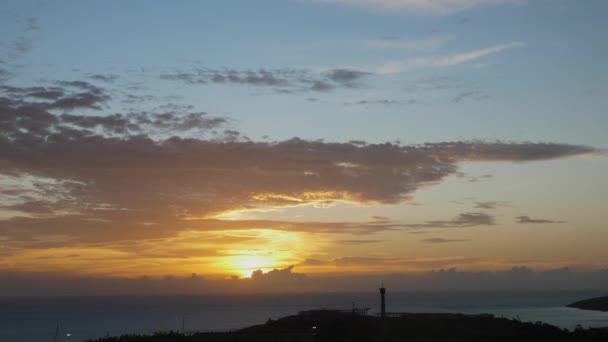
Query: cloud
109	78
380	218
31	24
374	263
59	257
13	51
45	93
475	95
82	100
490	204
385	102
421	7
21	45
63	96
355	242
397	66
133	178
30	112
288	280
281	80
526	219
394	43
114	180
460	221
345	76
474	179
277	276
440	240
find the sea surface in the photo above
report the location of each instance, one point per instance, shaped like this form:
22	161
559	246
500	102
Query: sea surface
36	319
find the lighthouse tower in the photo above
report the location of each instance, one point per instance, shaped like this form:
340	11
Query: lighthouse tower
382	301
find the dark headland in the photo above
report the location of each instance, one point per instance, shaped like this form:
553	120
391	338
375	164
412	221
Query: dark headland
357	326
596	304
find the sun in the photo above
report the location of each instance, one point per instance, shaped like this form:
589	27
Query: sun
246	264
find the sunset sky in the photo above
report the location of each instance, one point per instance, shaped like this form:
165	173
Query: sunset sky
345	138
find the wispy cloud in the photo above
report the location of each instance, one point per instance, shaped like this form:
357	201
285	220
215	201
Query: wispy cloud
396	66
460	221
281	80
441	240
526	219
421	7
490	204
395	43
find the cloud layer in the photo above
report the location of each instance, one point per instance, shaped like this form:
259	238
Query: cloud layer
120	184
281	80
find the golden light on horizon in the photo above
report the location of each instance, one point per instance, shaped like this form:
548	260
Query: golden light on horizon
245	265
276	249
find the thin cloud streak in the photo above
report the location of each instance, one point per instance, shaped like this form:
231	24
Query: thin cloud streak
391	67
526	219
421	7
393	43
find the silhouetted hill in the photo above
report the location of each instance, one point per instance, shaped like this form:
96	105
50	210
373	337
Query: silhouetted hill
329	326
597	304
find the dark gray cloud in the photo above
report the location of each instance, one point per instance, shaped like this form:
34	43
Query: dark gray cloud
31	24
14	49
64	96
385	102
398	262
345	76
108	78
83	85
82	100
282	80
490	204
474	179
289	280
473	95
5	74
357	142
21	45
456	90
44	93
441	240
28	113
460	221
110	173
275	277
526	219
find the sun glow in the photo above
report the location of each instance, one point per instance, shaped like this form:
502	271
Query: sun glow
246	264
273	249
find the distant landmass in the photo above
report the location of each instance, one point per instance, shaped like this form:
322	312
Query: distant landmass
357	326
596	304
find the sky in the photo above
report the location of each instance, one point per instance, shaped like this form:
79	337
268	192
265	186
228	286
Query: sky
247	146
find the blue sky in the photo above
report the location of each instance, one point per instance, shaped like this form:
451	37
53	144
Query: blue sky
503	95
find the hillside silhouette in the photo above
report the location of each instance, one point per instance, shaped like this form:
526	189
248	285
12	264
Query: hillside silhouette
344	326
596	304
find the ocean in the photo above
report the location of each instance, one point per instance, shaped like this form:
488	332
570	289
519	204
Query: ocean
36	319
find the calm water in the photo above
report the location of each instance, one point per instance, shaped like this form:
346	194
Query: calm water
35	319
